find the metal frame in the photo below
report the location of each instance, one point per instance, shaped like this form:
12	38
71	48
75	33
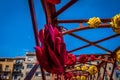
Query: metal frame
51	18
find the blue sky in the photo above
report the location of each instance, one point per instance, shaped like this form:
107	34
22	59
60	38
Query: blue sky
16	27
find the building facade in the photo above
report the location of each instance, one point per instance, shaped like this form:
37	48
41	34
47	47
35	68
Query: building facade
30	61
6	68
18	68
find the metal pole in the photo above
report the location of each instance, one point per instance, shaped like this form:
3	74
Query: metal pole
31	73
34	23
104	71
114	65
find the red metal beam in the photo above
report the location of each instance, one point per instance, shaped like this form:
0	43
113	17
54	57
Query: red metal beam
79	37
84	28
90	77
81	21
105	49
88	46
115	35
104	70
114	53
47	10
79	48
31	73
34	23
98	75
44	8
108	61
93	43
96	54
65	7
50	11
114	65
100	65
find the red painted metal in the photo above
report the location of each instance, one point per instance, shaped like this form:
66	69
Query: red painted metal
92	43
31	73
114	65
34	22
51	18
104	70
50	11
65	7
98	75
81	21
84	28
112	36
79	48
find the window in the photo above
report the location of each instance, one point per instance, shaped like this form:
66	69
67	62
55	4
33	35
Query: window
7	68
21	74
29	65
9	60
0	67
30	59
106	78
2	60
17	61
16	68
22	67
5	74
97	62
99	72
38	74
15	77
109	68
89	62
118	75
47	74
27	73
39	67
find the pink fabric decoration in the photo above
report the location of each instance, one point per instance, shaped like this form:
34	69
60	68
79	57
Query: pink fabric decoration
52	50
92	57
83	59
69	75
70	59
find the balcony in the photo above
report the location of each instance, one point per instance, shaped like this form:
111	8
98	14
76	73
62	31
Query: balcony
17	71
18	64
5	77
6	70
